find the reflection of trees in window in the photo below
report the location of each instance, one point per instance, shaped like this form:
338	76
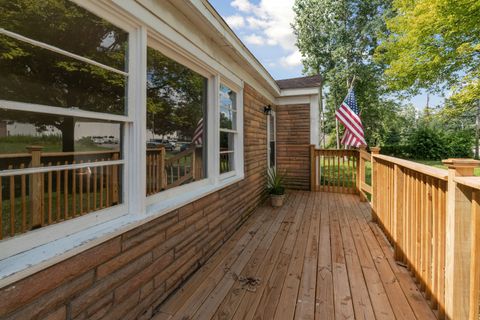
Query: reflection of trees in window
36	75
176	96
225	121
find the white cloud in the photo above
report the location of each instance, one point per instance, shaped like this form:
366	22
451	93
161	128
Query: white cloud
235	21
292	60
272	21
256	23
255	40
243	5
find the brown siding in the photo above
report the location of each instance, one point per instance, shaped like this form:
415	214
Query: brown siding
293	139
128	276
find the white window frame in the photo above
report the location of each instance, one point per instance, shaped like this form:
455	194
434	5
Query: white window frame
34	238
272	115
238	169
35	250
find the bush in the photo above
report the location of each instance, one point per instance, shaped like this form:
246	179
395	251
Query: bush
432	144
397	150
460	144
428	144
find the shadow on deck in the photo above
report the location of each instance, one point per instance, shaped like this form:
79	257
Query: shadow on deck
318	257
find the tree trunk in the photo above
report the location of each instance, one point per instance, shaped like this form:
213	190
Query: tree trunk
68	134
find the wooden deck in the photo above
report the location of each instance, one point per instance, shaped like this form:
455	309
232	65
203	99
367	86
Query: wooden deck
318	257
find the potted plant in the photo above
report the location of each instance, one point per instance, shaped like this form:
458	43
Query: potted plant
276	187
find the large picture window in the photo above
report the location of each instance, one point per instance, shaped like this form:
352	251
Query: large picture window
228	128
63	83
176	124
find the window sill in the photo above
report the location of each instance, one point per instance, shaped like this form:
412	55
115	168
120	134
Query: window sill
26	263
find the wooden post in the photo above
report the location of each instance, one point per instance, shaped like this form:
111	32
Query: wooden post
374	151
361	173
458	240
475	258
163	181
398	212
114	181
313	173
35	187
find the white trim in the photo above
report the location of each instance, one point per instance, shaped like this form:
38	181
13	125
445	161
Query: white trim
25	242
314	121
60	51
69	112
228	130
299	92
292	100
269	138
136	134
25	171
226	152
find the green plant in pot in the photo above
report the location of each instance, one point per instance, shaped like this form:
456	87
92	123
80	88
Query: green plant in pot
276	187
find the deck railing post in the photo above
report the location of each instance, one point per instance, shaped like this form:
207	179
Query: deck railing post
458	240
35	186
313	173
374	151
361	173
398	212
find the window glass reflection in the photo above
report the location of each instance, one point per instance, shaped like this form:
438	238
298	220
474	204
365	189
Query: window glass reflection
176	124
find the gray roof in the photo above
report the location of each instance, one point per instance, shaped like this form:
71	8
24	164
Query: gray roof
301	82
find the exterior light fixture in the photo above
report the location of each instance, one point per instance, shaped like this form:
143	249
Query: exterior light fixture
267	110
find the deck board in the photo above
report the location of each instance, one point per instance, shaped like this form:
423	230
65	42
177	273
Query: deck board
318	257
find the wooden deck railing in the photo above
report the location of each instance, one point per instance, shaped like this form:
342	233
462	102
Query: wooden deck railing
430	215
334	170
42	188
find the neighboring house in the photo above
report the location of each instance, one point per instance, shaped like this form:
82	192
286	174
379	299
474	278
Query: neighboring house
136	245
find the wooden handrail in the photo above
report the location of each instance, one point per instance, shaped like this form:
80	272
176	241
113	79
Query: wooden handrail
415	166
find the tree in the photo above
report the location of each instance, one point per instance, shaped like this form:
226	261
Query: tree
35	75
434	45
175	96
337	39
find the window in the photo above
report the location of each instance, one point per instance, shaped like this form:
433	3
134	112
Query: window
272	134
228	128
63	80
176	124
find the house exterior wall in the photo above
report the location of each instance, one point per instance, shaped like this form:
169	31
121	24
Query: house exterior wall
128	276
293	141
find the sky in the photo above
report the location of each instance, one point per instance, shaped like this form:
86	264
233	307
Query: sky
264	26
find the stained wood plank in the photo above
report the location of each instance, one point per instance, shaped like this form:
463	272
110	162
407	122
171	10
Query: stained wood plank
319	257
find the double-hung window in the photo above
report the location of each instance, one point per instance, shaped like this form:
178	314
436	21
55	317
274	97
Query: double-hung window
228	128
63	84
177	121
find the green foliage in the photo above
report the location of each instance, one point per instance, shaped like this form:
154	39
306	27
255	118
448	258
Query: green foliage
337	39
275	182
428	143
433	44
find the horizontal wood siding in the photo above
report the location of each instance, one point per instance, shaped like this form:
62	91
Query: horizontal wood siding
293	139
129	276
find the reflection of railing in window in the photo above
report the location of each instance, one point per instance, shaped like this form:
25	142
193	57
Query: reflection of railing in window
40	189
167	172
225	161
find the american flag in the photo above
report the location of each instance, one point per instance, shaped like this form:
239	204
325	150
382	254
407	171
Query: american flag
198	134
349	115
